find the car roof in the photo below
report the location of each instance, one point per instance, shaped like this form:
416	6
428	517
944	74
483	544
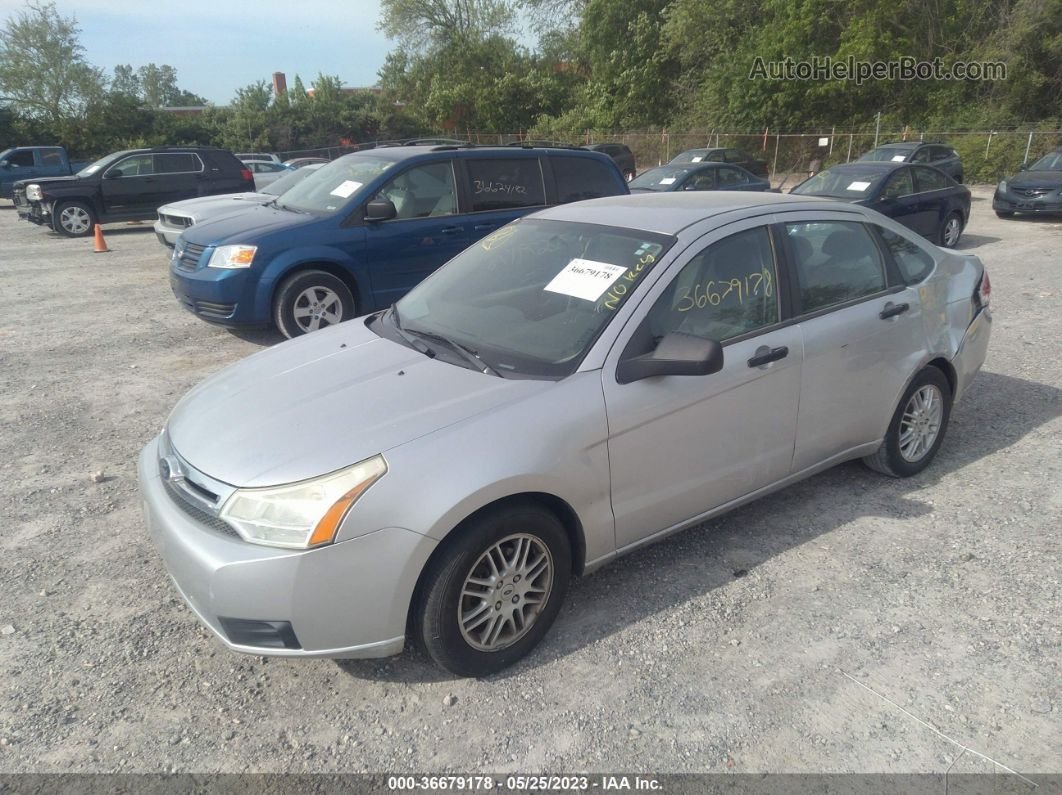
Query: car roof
669	213
903	145
399	153
872	165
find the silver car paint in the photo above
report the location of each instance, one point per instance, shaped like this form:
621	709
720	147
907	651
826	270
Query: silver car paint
205	207
457	440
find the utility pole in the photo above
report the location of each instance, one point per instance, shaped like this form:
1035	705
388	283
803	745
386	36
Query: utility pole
877	129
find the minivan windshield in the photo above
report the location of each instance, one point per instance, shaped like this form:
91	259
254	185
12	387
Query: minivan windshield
530	298
331	186
289	180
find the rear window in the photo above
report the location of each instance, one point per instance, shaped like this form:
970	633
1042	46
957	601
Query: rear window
503	183
177	163
579	178
929	179
914	263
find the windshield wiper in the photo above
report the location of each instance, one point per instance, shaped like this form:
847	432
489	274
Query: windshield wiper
414	343
470	355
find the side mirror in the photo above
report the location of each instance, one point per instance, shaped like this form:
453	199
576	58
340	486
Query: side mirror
1023	167
676	354
114	173
380	210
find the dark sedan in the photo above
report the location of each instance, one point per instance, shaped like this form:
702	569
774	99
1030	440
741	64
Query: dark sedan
698	176
921	198
1036	189
737	157
937	155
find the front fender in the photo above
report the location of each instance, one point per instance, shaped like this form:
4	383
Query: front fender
299	257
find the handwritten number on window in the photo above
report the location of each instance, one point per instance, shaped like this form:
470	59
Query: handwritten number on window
713	293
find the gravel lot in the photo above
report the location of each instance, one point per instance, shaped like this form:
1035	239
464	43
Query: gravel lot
849	623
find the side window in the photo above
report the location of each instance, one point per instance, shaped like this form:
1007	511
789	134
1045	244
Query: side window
913	262
579	178
716	156
899	185
726	290
135	166
736	156
21	158
500	184
939	153
422	191
702	180
177	163
836	261
928	179
731	176
922	155
51	157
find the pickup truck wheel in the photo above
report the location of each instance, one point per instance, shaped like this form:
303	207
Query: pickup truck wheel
73	219
312	300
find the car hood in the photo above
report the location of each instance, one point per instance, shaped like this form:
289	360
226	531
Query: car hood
45	181
1036	179
213	205
240	227
323	402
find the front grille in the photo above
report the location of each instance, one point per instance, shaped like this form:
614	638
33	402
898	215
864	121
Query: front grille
180	221
215	310
189	259
1033	193
197	513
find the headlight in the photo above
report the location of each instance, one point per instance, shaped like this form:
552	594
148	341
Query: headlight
1002	187
232	257
34	193
301	515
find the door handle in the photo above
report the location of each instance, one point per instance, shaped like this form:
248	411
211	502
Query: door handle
765	355
483	227
451	230
892	310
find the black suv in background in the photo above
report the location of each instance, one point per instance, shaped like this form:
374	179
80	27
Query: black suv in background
623	156
718	154
937	155
129	186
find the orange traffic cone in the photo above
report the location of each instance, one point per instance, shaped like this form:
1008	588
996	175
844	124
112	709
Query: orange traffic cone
101	244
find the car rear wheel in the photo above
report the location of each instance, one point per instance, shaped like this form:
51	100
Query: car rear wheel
73	219
312	300
950	231
1005	213
917	428
492	594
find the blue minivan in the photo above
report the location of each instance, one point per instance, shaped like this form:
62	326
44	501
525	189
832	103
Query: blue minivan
356	235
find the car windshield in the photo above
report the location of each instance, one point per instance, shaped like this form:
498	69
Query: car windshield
103	162
886	154
851	183
288	181
531	297
662	178
330	187
1049	162
692	156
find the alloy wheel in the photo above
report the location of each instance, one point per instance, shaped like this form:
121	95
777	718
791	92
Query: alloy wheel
920	424
317	307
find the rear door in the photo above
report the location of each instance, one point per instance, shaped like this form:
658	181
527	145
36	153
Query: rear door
499	190
902	201
177	177
935	191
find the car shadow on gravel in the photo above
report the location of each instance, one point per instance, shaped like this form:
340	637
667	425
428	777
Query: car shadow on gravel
969	241
263	337
997	411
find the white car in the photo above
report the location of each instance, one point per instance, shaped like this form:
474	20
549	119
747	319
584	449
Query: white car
176	217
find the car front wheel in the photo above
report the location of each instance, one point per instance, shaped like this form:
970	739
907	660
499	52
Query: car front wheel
917	428
494	591
73	219
312	300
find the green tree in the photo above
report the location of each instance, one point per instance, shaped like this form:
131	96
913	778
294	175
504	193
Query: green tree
419	24
42	64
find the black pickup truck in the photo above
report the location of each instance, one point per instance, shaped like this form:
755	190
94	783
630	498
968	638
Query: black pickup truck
129	186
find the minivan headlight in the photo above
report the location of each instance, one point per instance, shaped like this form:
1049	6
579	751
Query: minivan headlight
34	193
301	515
232	257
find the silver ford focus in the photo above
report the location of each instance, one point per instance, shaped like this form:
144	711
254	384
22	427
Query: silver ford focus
579	383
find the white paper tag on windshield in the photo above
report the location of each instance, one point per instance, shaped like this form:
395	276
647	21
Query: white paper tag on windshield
667	181
698	159
345	189
586	279
898	158
858	186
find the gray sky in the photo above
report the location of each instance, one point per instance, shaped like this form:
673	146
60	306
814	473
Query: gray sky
218	46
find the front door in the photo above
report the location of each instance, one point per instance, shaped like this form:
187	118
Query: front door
129	186
682	445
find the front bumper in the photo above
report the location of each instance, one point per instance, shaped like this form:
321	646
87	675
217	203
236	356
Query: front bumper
1009	202
224	297
345	600
167	235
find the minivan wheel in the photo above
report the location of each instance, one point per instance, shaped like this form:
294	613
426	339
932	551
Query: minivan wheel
312	300
917	428
951	231
493	593
73	219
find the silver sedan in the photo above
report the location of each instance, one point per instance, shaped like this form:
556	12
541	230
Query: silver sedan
579	383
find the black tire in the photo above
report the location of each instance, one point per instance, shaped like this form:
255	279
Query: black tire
1005	213
73	219
889	460
955	219
325	296
437	624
